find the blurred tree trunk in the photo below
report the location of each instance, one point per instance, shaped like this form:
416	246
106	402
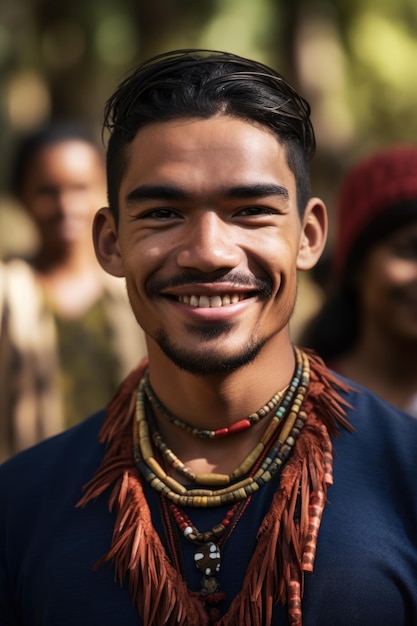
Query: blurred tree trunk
81	88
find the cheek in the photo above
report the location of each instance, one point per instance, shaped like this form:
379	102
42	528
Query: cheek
135	294
275	253
141	260
286	265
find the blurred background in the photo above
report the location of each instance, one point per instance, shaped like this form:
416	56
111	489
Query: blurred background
353	60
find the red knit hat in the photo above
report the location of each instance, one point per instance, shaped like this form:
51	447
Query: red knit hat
370	188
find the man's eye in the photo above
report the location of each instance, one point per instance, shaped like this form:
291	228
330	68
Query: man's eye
161	214
256	210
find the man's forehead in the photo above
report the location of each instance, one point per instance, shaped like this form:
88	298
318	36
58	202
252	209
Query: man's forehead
170	144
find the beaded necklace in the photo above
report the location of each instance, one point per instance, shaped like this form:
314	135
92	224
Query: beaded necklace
214	479
262	463
167	486
209	547
204	433
285	540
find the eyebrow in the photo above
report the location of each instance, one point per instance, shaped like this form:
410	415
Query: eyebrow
260	190
168	192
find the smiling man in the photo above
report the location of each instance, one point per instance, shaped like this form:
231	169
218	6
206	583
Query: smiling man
210	240
206	486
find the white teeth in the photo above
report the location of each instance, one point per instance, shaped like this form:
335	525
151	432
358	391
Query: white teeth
204	302
211	301
216	301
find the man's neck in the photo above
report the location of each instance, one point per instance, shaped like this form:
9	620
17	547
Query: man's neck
218	400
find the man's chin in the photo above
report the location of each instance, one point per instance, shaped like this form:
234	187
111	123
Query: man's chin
208	361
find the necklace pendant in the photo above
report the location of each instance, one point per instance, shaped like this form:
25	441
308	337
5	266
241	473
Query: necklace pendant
209	585
207	559
212	598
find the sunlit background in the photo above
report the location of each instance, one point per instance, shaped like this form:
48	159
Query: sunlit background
354	60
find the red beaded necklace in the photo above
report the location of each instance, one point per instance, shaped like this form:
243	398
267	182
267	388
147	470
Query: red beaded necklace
207	557
167	486
233	429
209	544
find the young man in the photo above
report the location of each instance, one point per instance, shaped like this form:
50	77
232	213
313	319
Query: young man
215	456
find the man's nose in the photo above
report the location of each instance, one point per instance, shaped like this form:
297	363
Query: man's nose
209	244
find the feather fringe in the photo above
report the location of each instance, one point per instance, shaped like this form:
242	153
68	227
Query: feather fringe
286	540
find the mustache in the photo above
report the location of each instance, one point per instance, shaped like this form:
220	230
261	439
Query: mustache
155	285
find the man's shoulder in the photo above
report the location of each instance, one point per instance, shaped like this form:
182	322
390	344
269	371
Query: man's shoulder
369	405
55	463
378	423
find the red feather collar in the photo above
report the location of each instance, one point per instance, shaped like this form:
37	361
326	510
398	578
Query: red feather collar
285	547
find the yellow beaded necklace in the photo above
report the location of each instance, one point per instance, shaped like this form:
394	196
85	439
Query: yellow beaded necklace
230	490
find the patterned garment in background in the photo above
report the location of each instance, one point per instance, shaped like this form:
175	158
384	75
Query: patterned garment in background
89	366
32	398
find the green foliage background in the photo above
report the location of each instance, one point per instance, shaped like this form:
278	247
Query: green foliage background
354	60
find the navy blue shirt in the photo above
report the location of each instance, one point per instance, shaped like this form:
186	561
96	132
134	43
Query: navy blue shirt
365	572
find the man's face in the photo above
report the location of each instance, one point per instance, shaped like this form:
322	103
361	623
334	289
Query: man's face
208	238
64	187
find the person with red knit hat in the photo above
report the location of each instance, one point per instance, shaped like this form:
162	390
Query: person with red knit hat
367	327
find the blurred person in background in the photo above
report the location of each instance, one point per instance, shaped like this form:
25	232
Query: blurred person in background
68	335
367	327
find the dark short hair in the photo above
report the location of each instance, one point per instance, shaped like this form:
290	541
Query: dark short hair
202	83
53	132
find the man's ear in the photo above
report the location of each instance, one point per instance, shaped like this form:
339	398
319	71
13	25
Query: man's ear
106	242
313	234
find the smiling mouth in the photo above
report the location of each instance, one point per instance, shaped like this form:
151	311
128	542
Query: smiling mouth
205	302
